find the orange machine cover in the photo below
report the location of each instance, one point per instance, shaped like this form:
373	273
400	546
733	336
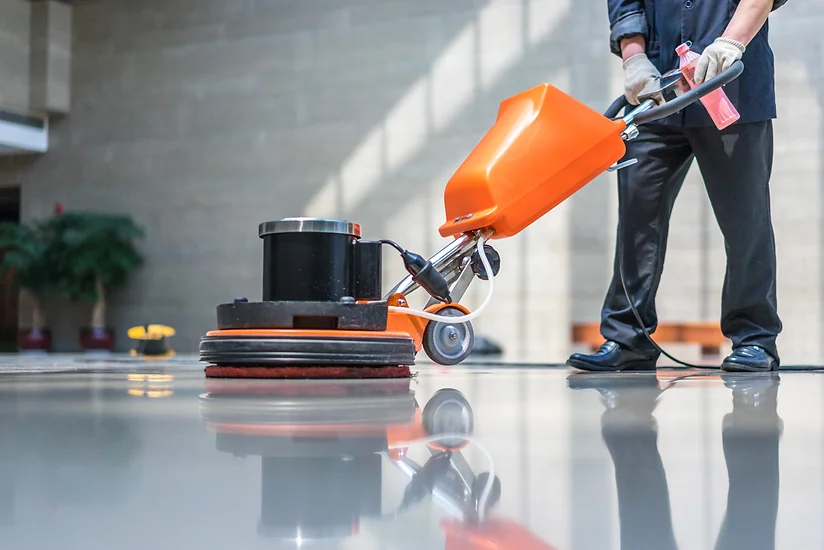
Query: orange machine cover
543	147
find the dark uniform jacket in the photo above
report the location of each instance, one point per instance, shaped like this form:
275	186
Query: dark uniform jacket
667	23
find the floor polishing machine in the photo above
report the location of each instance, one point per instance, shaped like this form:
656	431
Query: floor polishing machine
324	313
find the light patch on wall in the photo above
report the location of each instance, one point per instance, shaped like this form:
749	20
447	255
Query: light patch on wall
491	45
406	126
543	17
326	202
453	79
500	29
365	167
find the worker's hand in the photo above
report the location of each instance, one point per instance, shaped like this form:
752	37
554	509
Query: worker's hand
641	78
717	58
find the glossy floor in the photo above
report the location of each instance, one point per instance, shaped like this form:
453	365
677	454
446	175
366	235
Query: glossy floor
159	457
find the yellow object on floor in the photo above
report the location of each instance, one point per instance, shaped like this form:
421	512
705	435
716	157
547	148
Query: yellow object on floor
152	341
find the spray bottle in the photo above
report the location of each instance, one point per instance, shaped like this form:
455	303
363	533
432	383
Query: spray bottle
718	105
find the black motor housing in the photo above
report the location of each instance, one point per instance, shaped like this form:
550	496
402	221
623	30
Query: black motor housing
318	260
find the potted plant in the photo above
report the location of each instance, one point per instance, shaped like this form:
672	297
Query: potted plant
94	253
24	251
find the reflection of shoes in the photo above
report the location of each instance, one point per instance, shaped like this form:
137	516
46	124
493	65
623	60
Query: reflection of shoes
741	381
749	359
596	381
612	357
630	388
752	390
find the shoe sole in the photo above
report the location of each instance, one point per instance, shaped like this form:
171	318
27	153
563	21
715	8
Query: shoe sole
645	365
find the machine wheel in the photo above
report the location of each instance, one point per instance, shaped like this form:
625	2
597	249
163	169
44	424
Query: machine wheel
448	412
494	262
448	343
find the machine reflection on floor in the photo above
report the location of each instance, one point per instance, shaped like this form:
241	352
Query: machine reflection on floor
324	443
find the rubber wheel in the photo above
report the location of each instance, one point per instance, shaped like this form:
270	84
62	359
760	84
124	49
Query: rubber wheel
448	412
478	487
494	262
448	343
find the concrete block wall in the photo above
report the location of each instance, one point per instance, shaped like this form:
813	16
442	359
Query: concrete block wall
35	55
204	118
14	53
50	56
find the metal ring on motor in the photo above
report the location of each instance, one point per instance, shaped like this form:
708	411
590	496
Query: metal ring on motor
309	225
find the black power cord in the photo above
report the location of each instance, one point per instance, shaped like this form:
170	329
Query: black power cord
637	315
393	244
423	273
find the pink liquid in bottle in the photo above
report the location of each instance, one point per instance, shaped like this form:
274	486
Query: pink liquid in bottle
718	105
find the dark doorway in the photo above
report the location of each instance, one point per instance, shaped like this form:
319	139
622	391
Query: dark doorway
9	212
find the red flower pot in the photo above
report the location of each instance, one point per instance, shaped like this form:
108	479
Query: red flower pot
95	339
35	340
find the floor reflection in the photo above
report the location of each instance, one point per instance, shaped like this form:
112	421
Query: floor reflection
323	447
750	433
319	444
677	459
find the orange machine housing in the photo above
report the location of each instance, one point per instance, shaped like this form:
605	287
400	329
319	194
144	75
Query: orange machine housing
543	147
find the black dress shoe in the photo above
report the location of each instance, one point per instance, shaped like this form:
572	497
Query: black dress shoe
749	359
612	357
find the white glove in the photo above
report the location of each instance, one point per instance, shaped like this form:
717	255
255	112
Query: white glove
717	58
640	77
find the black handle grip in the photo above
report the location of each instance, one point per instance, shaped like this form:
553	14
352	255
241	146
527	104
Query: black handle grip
682	101
616	107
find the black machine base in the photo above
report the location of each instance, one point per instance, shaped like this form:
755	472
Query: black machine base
292	350
302	315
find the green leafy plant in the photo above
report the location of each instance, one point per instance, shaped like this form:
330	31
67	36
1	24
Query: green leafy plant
93	253
25	250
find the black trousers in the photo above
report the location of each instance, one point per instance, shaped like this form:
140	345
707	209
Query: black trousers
736	164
